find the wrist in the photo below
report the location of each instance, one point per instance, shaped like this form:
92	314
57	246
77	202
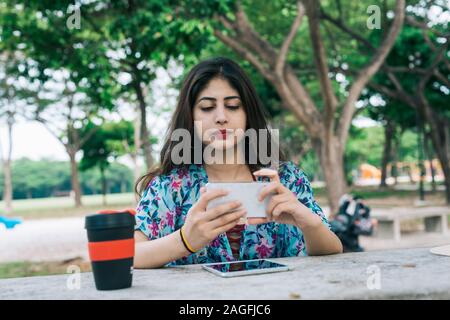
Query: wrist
307	220
186	243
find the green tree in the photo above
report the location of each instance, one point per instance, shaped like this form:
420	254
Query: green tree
8	100
36	179
108	143
49	178
396	118
422	85
416	72
119	177
321	100
67	70
141	36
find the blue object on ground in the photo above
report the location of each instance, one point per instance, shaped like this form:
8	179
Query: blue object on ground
10	222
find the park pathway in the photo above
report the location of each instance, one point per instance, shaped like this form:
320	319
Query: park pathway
44	240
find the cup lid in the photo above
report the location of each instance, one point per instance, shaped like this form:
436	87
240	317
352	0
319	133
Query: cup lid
130	211
107	219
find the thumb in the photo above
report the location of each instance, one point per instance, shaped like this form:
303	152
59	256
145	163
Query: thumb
202	190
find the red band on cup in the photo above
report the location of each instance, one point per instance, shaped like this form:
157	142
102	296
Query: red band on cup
130	211
111	250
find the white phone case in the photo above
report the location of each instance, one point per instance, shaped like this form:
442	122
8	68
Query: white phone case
246	192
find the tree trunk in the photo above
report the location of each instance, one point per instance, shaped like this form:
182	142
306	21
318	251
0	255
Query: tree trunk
444	160
394	172
439	125
446	170
433	176
445	164
6	162
409	170
394	156
8	187
388	136
331	158
103	178
8	191
439	133
145	138
429	154
76	188
137	146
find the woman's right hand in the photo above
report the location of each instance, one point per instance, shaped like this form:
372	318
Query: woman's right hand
202	225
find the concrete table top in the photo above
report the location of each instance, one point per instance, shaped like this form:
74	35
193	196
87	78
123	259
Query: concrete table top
393	274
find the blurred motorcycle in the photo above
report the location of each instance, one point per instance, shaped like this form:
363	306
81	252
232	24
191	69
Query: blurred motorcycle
352	220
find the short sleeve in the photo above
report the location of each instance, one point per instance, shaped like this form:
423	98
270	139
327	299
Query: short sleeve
297	181
156	209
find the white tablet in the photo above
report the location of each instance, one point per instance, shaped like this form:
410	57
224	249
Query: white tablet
246	192
244	267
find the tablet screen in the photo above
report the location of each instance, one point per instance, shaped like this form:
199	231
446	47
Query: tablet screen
245	266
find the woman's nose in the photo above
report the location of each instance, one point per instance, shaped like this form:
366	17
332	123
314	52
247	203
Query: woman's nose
220	116
221	121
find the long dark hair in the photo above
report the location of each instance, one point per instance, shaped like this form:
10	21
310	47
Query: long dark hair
196	80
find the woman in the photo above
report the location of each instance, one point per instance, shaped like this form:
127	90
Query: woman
174	227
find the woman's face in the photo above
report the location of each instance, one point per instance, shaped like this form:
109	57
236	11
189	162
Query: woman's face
219	111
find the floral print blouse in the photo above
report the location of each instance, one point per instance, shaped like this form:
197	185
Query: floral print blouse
168	198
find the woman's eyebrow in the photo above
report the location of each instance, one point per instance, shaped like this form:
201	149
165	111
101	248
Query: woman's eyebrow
206	98
214	99
231	97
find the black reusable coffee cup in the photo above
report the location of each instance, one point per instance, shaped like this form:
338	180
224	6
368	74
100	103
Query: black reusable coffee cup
111	248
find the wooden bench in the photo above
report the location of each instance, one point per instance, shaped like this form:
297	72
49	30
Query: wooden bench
435	220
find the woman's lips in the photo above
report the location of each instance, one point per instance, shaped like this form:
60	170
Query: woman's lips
223	132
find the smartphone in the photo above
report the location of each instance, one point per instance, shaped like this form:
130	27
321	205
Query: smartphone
244	268
246	192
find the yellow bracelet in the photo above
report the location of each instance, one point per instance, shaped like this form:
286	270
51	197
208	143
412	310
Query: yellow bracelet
185	242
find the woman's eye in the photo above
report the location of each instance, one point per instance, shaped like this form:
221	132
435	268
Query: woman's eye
207	109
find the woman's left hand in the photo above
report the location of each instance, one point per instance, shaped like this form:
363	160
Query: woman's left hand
284	207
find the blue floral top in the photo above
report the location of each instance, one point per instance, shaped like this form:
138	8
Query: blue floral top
167	199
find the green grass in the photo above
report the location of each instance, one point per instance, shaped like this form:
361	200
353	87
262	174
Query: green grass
64	206
31	269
